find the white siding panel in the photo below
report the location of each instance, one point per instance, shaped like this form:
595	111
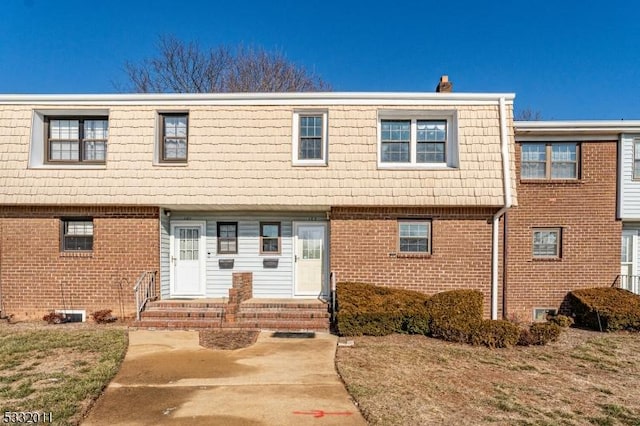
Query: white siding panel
630	189
267	282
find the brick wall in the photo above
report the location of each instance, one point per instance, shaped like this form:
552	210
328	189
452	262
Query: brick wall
591	235
364	248
35	276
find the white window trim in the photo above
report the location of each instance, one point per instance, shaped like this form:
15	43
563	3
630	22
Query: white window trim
451	149
428	222
73	312
295	140
37	143
556	229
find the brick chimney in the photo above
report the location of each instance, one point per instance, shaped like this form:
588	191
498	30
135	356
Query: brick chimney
444	85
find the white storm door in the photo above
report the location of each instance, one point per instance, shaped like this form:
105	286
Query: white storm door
310	256
629	261
188	259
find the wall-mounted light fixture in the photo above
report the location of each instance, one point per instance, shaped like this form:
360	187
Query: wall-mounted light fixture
167	213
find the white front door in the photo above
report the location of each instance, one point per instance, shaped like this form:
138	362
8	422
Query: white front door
310	258
188	258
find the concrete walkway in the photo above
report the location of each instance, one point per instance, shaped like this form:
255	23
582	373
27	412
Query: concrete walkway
167	378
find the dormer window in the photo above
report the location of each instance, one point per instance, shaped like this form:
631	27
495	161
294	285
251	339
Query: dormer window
417	139
76	139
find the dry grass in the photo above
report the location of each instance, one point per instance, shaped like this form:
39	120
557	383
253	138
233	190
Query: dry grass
59	369
584	378
227	339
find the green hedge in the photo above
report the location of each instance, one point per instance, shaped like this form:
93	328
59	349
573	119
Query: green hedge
605	308
365	309
455	314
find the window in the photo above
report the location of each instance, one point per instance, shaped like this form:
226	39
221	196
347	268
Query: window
396	141
414	236
417	139
77	234
542	314
76	139
174	137
546	243
550	160
636	159
310	138
227	237
431	141
269	237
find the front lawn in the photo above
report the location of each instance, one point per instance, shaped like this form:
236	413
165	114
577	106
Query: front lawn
57	369
584	378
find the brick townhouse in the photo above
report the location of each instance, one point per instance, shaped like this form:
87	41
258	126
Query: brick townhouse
566	232
230	209
397	189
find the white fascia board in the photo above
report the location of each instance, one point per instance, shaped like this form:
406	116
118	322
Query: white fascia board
594	127
313	98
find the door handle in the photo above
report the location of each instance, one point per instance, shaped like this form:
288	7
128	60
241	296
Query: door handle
295	257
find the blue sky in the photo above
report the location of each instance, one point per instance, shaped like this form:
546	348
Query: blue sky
565	59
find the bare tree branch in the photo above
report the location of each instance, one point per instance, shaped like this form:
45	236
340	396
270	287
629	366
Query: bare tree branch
187	68
527	114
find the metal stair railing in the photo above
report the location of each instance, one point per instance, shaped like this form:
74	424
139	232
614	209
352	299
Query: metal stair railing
145	290
628	282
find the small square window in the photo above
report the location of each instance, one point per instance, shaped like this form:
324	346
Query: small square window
547	243
558	160
310	138
174	137
541	314
227	237
414	236
270	237
77	234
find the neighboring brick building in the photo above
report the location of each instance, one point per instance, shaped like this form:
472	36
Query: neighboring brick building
565	233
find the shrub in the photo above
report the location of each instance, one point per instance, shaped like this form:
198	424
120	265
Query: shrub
365	309
455	314
495	334
605	308
539	333
561	320
525	338
103	317
54	318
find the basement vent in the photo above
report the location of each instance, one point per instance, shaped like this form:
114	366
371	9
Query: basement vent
294	335
540	314
73	315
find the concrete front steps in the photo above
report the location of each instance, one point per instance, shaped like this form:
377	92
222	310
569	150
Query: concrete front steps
252	314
